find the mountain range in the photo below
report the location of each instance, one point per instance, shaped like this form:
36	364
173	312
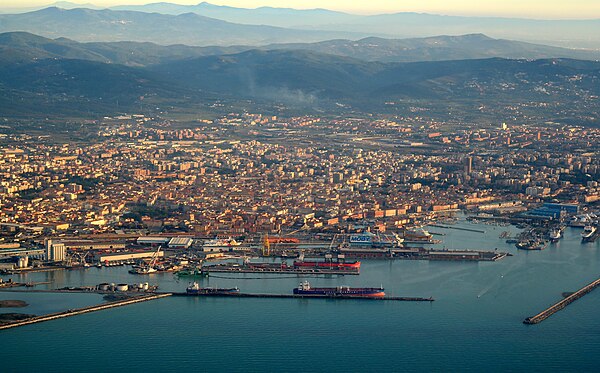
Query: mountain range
22	46
107	25
323	25
42	78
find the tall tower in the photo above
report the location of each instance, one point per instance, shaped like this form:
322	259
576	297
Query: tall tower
468	164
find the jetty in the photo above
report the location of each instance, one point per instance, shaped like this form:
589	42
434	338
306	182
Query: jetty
79	311
561	304
278	268
457	228
303	296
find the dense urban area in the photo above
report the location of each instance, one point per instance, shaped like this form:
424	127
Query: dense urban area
246	176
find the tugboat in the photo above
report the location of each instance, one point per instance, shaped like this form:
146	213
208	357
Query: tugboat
195	289
339	291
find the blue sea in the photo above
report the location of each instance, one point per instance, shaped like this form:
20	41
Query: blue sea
475	323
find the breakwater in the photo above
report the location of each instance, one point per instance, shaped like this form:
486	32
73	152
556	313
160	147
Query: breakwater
79	311
561	304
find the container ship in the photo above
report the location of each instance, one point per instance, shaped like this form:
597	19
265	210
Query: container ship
336	265
195	289
339	291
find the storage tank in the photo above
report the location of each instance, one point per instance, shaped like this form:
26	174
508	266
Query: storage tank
103	287
122	287
112	286
146	286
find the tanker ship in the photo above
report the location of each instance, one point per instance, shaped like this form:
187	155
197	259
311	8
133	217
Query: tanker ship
330	264
339	291
195	289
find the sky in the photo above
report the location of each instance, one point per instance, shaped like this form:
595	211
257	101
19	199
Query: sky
543	9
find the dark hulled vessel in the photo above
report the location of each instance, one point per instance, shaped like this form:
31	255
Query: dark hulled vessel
339	291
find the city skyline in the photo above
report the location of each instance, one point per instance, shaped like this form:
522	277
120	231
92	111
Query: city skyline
552	9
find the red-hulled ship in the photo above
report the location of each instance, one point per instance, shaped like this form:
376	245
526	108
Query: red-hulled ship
355	266
339	291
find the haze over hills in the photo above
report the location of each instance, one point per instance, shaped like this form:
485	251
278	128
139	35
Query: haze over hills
22	46
324	24
561	90
438	48
341	78
281	17
123	67
568	33
107	25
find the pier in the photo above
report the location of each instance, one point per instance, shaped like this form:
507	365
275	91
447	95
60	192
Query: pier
278	269
295	296
561	304
79	311
457	228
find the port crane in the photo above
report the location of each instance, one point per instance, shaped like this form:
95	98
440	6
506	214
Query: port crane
266	248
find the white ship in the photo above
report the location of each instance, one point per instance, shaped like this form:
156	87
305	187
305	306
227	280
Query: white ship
221	242
589	233
555	234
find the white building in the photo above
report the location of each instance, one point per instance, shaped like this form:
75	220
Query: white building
55	251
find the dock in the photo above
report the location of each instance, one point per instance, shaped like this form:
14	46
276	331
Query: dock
277	269
561	304
295	296
79	311
457	228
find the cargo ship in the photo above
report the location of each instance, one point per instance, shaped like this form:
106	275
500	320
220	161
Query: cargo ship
339	291
330	264
195	289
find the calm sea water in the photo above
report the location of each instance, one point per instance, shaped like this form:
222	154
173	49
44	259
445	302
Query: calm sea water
475	323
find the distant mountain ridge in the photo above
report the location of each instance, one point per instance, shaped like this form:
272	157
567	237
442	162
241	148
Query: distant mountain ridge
317	25
107	25
22	46
475	89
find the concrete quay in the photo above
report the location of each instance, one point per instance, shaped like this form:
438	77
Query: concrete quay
288	296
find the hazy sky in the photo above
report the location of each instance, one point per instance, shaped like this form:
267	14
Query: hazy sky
519	8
